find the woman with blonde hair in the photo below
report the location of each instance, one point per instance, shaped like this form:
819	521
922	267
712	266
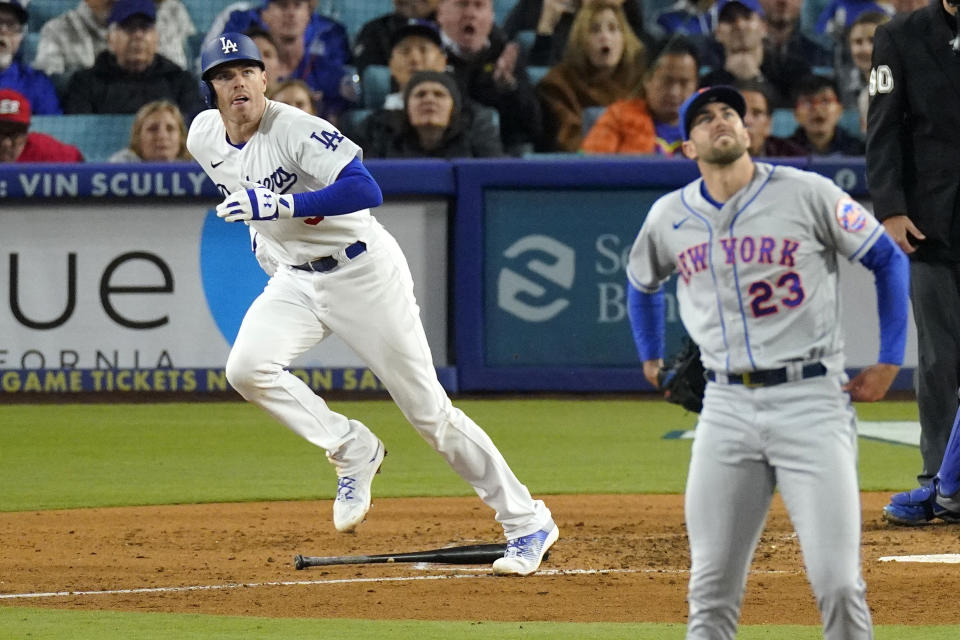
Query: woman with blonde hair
295	93
158	134
603	62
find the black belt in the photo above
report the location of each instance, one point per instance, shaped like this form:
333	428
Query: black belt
769	377
329	263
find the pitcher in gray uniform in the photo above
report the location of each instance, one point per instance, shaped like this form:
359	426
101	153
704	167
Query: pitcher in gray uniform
756	249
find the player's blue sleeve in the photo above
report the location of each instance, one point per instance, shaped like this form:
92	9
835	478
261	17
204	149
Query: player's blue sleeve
647	321
353	190
891	270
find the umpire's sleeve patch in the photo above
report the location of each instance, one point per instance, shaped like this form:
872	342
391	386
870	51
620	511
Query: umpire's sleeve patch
881	80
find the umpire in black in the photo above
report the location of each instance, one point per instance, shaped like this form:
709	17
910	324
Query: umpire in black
913	172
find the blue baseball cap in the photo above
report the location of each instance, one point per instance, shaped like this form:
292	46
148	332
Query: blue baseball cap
705	95
752	5
19	7
416	27
123	10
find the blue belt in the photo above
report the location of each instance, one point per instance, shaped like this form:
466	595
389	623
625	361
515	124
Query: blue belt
769	377
329	263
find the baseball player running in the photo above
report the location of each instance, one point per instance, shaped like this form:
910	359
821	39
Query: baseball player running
301	187
756	249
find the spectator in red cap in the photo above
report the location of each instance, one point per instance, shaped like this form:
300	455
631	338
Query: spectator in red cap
18	145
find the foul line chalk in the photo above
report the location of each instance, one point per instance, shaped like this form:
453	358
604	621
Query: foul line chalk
941	558
285	583
480	573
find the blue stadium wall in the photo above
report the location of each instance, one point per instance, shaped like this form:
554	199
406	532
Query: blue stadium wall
520	265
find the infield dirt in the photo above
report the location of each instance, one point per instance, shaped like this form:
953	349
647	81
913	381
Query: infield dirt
619	558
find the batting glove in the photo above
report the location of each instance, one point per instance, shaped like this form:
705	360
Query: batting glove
256	203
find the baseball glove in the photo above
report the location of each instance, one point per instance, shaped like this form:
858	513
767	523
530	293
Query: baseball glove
681	378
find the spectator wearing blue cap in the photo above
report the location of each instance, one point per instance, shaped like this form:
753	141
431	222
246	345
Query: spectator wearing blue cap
743	54
15	73
130	73
311	47
374	41
415	46
72	41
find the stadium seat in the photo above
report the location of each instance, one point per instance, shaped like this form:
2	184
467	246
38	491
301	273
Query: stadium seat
28	48
850	121
525	39
590	115
351	119
375	85
42	10
536	73
500	10
202	12
98	136
783	123
355	13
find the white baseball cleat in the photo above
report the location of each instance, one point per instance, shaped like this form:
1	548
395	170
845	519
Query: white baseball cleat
353	493
524	554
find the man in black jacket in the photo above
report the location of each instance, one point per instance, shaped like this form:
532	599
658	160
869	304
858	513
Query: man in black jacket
913	151
490	70
130	73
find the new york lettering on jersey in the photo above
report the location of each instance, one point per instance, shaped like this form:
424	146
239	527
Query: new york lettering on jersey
746	250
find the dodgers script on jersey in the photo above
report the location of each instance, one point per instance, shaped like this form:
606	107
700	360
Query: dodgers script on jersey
757	278
291	152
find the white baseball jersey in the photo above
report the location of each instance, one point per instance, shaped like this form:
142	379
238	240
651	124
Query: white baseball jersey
758	277
291	152
367	301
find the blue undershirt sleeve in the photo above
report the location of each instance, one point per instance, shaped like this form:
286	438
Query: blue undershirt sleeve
647	321
891	270
353	190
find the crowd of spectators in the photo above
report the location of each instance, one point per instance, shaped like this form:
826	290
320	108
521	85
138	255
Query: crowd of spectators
534	83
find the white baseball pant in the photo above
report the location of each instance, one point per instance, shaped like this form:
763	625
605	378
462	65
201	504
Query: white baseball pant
369	303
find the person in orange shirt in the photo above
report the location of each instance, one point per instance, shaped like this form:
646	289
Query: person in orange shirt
649	122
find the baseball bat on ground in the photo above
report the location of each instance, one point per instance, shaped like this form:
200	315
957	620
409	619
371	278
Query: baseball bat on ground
469	554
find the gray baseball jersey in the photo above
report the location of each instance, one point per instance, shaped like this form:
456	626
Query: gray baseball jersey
757	282
757	289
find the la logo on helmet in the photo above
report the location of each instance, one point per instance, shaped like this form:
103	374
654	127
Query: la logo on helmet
228	45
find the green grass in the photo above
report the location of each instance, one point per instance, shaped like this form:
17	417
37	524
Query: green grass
40	624
115	455
86	455
57	456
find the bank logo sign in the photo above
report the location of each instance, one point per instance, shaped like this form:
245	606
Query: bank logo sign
521	291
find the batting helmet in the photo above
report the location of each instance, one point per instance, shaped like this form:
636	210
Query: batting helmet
226	48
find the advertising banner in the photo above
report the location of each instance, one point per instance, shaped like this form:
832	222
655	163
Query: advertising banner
148	295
